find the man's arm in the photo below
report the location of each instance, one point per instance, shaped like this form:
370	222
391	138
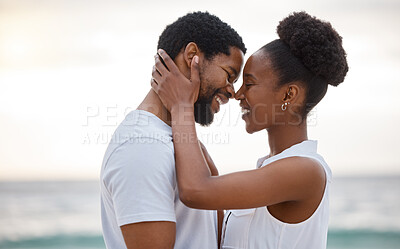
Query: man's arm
142	191
149	235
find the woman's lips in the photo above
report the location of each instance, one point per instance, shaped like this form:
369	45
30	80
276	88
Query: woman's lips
245	112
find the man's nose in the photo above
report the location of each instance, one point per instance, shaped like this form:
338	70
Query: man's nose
230	90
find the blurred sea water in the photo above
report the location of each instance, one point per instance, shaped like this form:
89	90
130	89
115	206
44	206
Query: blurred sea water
365	213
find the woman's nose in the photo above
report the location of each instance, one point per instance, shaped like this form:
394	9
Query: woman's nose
239	94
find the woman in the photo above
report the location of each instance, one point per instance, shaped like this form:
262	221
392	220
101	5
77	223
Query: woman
284	202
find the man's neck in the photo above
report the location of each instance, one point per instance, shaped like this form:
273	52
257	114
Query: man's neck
153	104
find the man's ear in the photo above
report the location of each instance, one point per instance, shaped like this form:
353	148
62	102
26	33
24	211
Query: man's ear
190	51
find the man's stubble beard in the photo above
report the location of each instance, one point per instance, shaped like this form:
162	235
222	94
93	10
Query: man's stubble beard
203	113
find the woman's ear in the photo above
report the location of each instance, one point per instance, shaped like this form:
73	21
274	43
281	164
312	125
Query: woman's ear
292	94
190	51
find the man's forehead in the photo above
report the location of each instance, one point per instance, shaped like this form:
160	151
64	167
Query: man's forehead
235	60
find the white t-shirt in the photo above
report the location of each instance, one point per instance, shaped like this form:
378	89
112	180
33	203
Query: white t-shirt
138	184
256	228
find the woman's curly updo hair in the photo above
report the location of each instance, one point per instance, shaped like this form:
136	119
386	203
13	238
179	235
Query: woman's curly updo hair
310	51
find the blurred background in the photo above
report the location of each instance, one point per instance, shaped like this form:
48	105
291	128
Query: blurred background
71	70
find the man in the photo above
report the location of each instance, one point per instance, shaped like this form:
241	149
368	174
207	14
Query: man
139	199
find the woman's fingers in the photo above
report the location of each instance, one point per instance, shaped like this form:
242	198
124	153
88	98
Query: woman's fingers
155	71
156	76
154	85
168	61
195	71
159	66
170	84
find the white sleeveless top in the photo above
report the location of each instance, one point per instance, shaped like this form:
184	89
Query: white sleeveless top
256	228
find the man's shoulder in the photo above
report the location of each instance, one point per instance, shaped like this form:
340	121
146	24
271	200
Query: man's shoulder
142	126
140	139
140	146
138	155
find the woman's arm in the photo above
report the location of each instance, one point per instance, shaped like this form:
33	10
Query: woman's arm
214	172
210	162
289	179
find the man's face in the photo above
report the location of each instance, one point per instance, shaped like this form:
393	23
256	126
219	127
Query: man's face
217	77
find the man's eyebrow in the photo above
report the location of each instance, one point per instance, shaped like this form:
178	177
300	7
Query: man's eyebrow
234	70
248	75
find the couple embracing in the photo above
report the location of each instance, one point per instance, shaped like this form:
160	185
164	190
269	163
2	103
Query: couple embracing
159	186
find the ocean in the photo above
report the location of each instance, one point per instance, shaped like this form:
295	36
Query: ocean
365	213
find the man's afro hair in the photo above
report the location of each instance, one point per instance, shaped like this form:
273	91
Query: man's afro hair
211	35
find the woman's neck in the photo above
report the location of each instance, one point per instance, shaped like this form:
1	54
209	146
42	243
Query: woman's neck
282	137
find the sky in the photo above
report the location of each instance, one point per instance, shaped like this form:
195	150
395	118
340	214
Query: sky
71	70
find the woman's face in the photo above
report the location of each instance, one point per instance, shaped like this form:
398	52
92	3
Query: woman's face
259	97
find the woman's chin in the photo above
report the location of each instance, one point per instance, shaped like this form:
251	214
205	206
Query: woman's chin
249	129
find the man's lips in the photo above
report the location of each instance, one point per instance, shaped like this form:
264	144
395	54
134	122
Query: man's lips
221	99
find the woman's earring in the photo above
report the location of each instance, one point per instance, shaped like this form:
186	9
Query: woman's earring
284	106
